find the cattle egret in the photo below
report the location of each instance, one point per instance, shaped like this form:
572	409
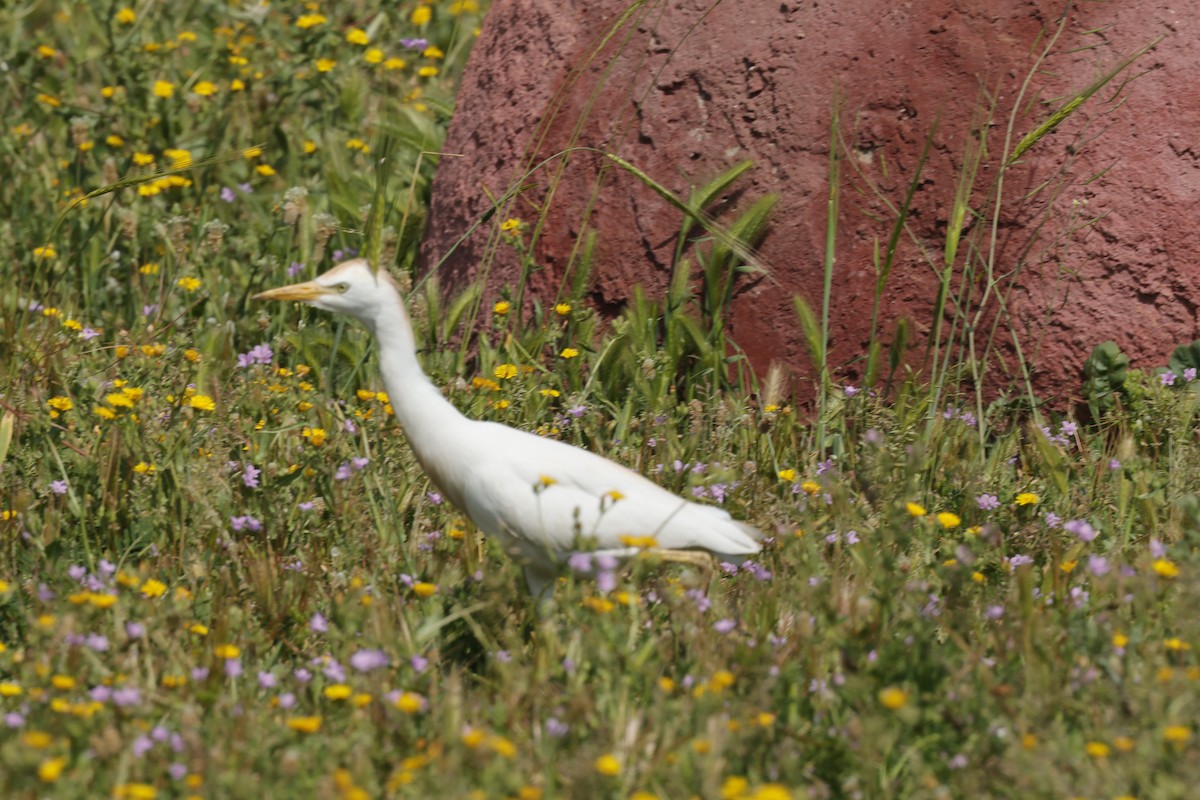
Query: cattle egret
541	499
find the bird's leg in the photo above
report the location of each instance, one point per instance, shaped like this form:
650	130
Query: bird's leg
697	558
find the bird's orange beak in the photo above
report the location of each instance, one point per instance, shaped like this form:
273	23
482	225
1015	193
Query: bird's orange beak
301	292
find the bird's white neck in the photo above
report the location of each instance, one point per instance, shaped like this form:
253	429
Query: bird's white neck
431	423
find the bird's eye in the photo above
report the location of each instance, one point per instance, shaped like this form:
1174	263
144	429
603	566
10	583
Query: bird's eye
342	287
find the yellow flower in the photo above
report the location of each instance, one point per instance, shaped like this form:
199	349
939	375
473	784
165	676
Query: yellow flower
1027	499
135	791
1068	566
948	520
409	702
310	20
423	589
501	308
49	770
142	468
916	510
503	746
373	55
198	628
1165	568
315	436
550	393
395	63
153	588
325	64
609	765
227	651
163	89
60	403
562	309
45	251
112	140
180	158
1175	643
63	683
421	15
142	159
1177	734
505	371
237	85
126	16
614	495
427	72
9	689
205	88
734	788
978	577
1097	749
893	698
46	51
357	36
569	352
266	170
787	475
810	487
309	147
202	402
305	724
49	99
338	691
102	600
188	284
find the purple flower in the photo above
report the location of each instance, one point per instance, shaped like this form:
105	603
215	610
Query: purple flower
851	390
724	625
77	572
994	612
606	581
700	599
1053	520
177	771
717	492
414	44
1098	565
302	675
580	562
250	476
556	727
1019	561
1189	374
45	593
106	567
135	630
227	194
160	734
96	642
1114	464
987	502
141	746
852	537
307	505
1167	378
1068	428
503	656
1157	549
577	411
728	567
359	463
150	310
199	674
343	473
287	700
259	354
233	667
126	696
58	487
294	269
367	660
434	498
1080	528
101	694
419	664
267	680
334	672
318	623
247	523
14	720
349	427
832	538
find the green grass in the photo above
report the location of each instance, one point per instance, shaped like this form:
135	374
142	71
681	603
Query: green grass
171	629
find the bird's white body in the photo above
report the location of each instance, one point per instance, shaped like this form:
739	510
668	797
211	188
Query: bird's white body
540	498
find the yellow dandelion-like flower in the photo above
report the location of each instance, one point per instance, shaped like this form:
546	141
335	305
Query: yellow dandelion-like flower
202	402
505	371
304	724
395	63
46	51
1028	499
562	309
569	352
609	765
10	689
227	651
787	475
427	71
916	509
305	21
357	36
1097	749
1166	568
63	683
205	88
325	64
550	393
164	89
143	159
266	170
198	628
810	487
421	15
45	251
410	702
112	140
237	85
50	770
373	55
144	468
188	284
644	542
60	403
893	698
423	589
1177	734
948	520
338	691
316	436
153	588
501	308
126	16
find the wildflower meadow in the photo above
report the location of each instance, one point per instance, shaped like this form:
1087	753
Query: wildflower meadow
224	575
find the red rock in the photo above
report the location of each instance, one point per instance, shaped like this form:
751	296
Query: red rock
690	94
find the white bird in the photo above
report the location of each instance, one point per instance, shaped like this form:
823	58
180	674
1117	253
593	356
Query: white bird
542	499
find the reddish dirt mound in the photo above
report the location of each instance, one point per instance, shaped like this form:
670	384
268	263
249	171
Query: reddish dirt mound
685	94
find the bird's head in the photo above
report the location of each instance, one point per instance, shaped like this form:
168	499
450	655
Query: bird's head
351	287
